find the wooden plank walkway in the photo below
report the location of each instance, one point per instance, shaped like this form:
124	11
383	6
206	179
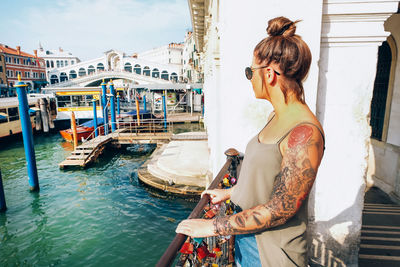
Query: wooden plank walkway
89	151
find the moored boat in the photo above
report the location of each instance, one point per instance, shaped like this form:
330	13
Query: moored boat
84	130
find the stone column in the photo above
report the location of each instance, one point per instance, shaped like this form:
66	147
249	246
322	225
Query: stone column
351	34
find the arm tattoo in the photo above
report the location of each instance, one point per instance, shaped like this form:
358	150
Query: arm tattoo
291	187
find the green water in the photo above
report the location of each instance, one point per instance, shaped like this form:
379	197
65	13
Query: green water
100	216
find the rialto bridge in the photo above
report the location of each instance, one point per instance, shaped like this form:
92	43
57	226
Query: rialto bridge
114	65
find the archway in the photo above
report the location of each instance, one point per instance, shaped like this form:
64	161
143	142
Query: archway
155	73
82	72
91	69
137	69
63	77
146	71
128	67
174	77
100	67
72	74
53	79
164	75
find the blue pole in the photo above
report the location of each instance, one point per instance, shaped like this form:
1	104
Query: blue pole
118	106
165	111
104	106
112	99
3	205
96	131
27	135
144	103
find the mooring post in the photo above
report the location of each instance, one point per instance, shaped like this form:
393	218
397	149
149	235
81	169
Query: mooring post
137	110
74	131
3	205
27	135
165	110
144	103
118	105
96	131
104	106
112	100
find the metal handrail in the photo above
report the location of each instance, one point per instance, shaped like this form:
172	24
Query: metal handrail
170	254
133	126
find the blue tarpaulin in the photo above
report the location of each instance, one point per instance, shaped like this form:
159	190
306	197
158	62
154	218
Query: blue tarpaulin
90	123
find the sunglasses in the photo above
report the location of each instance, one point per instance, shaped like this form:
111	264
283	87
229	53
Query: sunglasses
249	71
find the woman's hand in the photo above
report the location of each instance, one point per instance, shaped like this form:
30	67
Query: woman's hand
196	228
218	195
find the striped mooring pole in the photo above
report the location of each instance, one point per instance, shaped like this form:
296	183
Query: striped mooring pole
96	131
112	105
3	206
27	135
165	110
118	105
104	106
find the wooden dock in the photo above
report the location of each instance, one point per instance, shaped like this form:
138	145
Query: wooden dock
89	151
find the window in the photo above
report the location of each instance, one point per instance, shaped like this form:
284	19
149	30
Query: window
58	63
66	63
15	61
52	64
72	62
3	118
47	64
82	72
64	101
91	69
62	63
137	69
13	114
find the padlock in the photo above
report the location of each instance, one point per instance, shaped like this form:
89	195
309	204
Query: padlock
226	181
187	248
210	214
217	251
233	181
202	252
214	265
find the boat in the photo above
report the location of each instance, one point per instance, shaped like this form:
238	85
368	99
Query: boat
84	131
10	122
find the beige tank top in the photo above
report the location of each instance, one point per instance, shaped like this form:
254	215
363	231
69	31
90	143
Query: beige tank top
284	245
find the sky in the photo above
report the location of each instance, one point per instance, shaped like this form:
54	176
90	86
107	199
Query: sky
88	28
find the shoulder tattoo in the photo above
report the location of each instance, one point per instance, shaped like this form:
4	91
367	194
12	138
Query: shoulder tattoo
300	135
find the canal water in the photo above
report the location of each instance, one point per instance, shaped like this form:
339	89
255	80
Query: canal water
99	216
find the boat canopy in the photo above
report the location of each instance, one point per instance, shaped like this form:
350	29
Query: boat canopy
90	123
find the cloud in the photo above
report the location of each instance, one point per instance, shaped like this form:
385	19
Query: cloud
88	28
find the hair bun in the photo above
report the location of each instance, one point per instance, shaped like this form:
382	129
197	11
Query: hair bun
281	26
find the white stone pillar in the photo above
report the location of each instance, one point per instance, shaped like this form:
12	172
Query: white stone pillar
351	34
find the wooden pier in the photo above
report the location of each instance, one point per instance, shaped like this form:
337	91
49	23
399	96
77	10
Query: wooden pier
89	151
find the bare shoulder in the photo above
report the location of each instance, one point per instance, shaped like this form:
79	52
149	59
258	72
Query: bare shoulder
307	137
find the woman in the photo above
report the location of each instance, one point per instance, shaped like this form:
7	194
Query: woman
280	163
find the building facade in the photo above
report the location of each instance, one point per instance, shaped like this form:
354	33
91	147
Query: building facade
3	76
352	44
30	67
191	69
57	58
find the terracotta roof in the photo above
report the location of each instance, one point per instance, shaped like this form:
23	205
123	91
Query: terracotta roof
8	50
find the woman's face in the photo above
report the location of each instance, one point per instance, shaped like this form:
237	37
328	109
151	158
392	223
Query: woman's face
257	81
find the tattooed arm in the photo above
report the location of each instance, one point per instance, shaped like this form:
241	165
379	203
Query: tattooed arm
302	156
